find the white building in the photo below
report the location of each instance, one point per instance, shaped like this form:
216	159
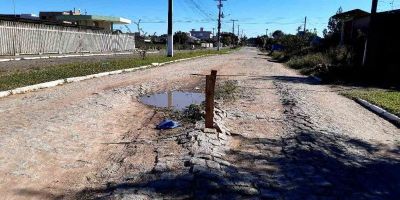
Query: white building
202	35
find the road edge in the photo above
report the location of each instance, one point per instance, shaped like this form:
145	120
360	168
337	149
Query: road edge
31	88
67	56
380	112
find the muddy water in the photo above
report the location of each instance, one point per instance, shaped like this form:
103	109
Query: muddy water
174	100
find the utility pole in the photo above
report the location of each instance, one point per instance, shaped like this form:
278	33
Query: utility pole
266	32
15	15
138	25
220	5
368	46
305	24
238	31
233	25
392	4
170	52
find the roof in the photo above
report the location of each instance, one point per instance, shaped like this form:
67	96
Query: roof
391	12
39	21
193	38
115	20
356	13
200	31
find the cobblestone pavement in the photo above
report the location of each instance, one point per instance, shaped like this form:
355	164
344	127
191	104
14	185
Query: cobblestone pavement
308	163
289	144
284	137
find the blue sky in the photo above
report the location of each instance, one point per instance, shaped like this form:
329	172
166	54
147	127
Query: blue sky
254	15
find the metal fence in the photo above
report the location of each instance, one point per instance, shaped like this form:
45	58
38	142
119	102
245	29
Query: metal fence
31	38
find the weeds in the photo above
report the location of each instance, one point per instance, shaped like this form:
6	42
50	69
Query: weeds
191	114
277	55
308	61
143	54
194	113
227	91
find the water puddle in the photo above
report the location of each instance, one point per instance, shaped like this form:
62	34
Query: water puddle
174	100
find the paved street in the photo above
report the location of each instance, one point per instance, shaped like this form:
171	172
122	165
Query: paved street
287	137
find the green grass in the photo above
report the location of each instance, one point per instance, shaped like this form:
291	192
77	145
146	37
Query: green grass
35	76
387	99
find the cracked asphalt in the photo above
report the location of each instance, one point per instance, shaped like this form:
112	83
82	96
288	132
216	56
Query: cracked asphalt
286	137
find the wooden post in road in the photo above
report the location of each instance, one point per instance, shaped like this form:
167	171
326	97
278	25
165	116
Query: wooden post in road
210	89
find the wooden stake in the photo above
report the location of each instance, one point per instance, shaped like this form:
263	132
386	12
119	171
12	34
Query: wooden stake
210	89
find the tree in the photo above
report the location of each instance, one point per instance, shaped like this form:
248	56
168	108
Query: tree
325	33
332	34
181	37
298	29
335	25
278	34
229	39
243	41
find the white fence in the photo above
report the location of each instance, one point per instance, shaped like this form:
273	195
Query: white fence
31	38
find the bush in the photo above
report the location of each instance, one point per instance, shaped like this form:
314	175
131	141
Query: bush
194	113
277	55
227	90
341	55
308	61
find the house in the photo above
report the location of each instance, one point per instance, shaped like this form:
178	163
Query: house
354	24
207	45
383	38
20	16
52	16
192	39
77	18
202	35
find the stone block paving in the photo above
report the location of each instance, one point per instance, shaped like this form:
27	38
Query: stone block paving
308	162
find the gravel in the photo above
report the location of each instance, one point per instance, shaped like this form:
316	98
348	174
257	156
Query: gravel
286	138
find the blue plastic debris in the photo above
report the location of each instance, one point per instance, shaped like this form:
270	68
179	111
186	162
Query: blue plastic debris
168	124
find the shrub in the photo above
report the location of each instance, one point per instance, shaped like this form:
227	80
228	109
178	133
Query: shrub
341	55
308	61
278	55
227	90
194	113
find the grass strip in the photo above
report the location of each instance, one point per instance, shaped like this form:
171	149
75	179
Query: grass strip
386	99
35	76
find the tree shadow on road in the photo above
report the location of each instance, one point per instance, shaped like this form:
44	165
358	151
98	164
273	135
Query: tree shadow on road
289	79
315	164
305	165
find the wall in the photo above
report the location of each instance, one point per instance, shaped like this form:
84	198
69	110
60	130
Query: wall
32	38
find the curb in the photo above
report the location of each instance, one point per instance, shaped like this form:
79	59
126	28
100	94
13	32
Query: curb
66	56
51	84
380	111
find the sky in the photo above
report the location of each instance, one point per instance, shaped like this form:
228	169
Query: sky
255	16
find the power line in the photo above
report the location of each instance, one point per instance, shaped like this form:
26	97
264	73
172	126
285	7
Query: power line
199	9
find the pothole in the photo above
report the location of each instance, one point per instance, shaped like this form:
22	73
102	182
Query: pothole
175	100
